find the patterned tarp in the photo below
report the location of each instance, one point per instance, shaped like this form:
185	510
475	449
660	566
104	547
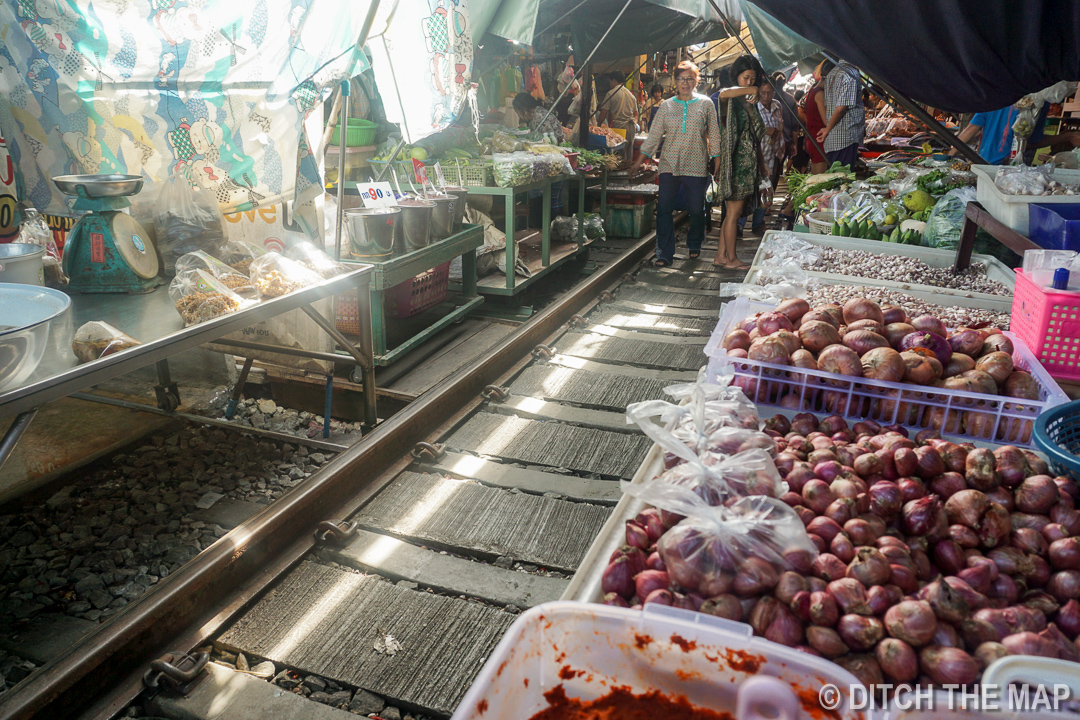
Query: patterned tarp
217	89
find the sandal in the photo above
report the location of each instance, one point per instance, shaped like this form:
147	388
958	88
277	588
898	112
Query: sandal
694	254
661	263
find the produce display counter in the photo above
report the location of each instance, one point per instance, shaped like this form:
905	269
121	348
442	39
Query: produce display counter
152	319
512	284
386	274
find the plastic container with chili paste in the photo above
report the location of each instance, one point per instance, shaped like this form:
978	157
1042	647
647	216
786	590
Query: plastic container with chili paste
590	649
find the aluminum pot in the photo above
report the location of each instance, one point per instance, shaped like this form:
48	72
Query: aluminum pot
371	231
459	208
413	231
26	314
21	263
442	217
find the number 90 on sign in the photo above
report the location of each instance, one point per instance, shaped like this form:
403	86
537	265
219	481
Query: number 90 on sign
377	194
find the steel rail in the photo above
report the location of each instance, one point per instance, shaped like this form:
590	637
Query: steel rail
102	673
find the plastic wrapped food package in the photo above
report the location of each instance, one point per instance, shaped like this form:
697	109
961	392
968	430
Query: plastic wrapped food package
188	218
1024	180
315	260
239	254
96	339
275	275
231	278
741	548
35	231
505	142
199	296
522	168
946	220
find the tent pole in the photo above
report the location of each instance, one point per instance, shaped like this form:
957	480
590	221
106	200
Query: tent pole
584	132
884	90
779	95
586	101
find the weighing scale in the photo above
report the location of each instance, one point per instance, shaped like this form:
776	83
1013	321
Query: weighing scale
107	250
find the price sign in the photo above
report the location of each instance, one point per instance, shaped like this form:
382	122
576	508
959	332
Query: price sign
377	194
439	175
421	171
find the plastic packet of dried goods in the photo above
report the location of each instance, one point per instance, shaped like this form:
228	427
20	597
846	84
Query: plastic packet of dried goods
229	276
773	284
239	254
275	275
784	247
505	142
188	218
96	339
35	231
199	296
741	548
315	260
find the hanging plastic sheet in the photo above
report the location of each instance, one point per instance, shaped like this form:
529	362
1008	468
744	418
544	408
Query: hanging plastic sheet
422	56
777	47
220	88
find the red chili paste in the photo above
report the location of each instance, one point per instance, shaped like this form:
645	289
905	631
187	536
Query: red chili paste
621	704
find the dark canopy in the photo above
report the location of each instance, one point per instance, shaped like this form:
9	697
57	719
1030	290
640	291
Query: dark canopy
961	55
647	26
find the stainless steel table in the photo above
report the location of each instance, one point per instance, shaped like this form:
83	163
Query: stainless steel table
152	319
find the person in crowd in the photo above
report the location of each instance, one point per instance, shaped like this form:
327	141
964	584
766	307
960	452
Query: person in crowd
798	158
687	126
814	115
787	105
648	110
741	163
845	118
619	109
542	124
772	147
994	131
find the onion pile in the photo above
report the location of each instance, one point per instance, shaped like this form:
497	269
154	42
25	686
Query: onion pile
934	559
862	339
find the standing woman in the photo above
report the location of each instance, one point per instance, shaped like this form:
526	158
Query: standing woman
815	115
651	106
687	126
741	164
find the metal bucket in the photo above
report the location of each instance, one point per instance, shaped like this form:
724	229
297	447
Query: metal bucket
413	230
459	207
21	263
442	217
371	231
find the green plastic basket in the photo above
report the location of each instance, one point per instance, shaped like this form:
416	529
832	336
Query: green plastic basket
471	174
360	132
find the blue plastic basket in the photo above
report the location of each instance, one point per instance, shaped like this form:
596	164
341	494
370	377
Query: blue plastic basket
1057	434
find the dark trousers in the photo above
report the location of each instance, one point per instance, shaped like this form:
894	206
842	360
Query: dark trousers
694	194
846	156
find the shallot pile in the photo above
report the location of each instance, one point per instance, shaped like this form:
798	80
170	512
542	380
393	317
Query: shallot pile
862	339
933	559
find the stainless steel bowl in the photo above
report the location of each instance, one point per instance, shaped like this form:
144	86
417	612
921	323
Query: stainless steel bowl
26	312
99	186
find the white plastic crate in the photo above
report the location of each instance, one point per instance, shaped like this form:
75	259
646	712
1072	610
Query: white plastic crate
995	269
820	223
962	415
1013	209
590	649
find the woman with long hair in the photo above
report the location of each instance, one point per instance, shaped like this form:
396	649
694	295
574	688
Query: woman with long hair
741	163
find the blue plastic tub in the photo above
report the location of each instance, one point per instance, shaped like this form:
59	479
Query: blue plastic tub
1055	227
1057	435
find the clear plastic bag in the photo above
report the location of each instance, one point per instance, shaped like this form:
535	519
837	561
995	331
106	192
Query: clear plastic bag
239	254
230	277
199	296
188	218
594	226
564	229
523	168
741	548
864	206
946	220
784	247
35	231
315	260
275	275
96	339
504	142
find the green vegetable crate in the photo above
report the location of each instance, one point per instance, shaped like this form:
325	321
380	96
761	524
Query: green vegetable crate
473	174
629	221
360	132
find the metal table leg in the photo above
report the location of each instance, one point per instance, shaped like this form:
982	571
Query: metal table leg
367	350
168	395
366	362
329	404
510	248
14	434
468	274
581	210
545	225
234	400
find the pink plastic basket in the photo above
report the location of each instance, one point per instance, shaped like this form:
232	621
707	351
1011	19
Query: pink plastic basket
964	416
424	291
1049	324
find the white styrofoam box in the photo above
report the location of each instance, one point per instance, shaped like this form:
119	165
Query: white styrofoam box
995	269
1013	209
590	649
992	417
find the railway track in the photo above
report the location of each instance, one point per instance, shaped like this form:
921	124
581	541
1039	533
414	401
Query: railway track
391	573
